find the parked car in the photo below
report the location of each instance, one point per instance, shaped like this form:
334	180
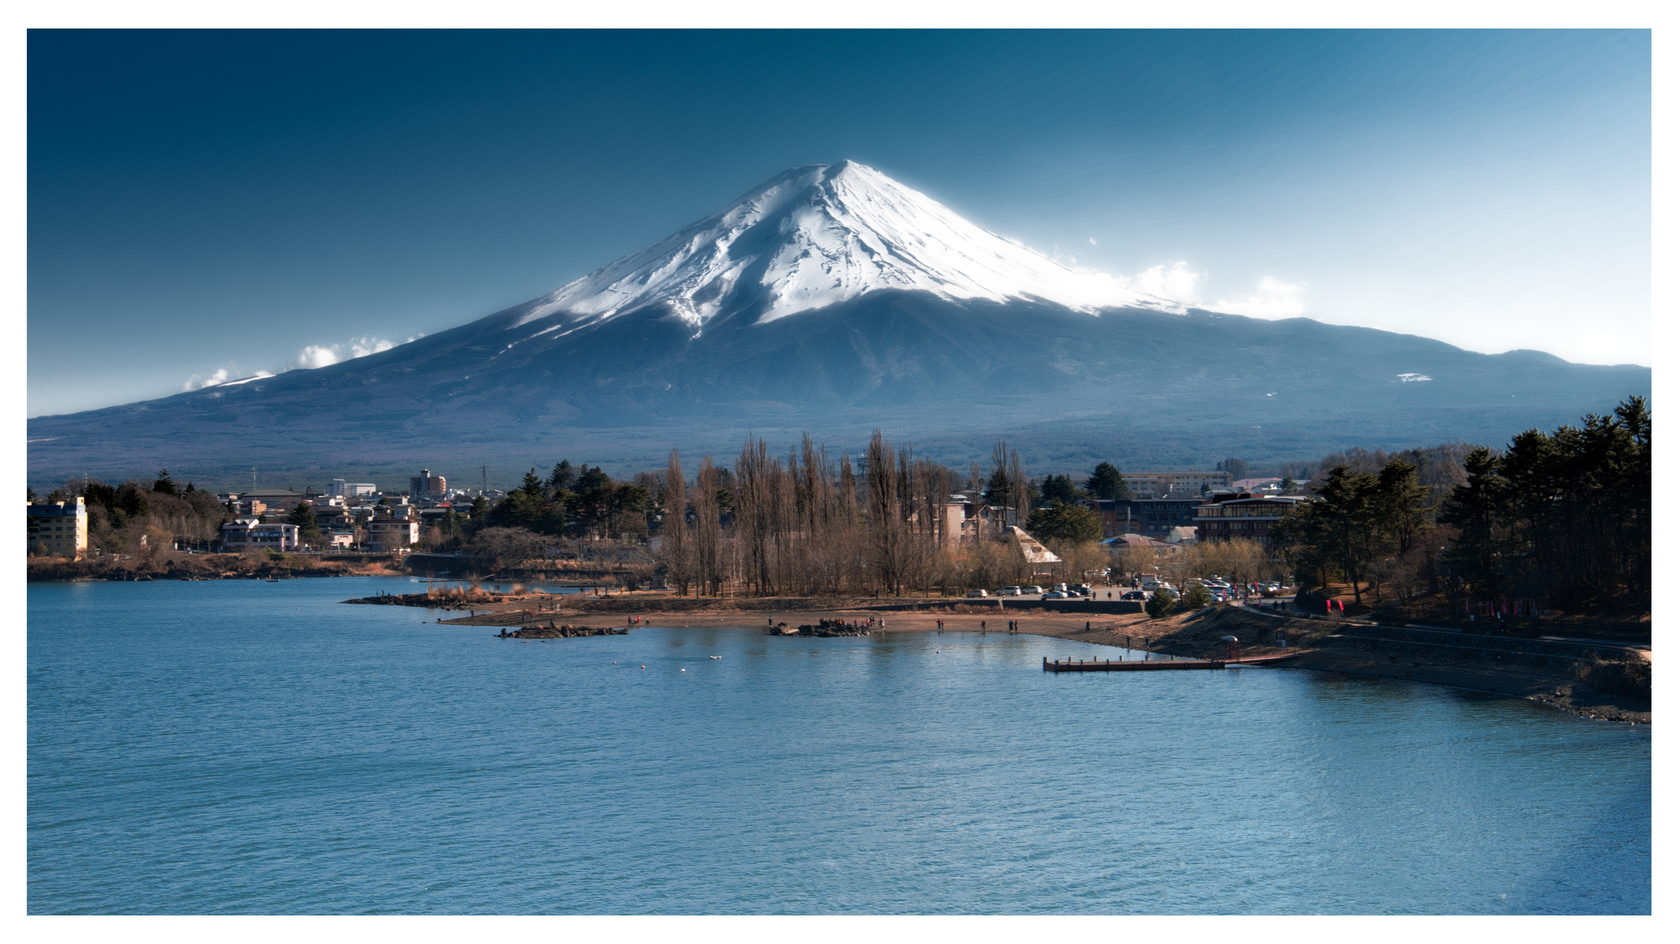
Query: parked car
1056	595
1035	588
978	593
1139	595
1083	590
1010	592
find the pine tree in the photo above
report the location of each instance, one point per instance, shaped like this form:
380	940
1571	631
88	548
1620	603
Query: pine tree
563	477
309	531
1476	509
1107	483
165	485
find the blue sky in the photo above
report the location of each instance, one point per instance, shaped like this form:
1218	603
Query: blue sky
234	202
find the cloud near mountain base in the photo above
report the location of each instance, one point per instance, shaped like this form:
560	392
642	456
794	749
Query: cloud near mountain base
311	357
1271	298
1176	282
317	355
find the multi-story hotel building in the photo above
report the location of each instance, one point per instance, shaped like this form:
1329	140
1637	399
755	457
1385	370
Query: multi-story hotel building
1229	515
59	528
1173	484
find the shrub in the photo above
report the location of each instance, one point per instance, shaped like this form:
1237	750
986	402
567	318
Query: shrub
1195	597
1160	605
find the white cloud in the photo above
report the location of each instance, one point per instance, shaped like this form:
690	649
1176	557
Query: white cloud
1176	282
1092	240
222	376
362	347
1272	298
195	382
326	355
316	355
311	357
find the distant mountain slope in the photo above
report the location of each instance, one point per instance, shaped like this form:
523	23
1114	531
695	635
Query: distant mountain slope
832	300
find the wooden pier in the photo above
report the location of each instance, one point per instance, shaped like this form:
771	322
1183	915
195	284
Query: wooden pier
1139	665
1156	665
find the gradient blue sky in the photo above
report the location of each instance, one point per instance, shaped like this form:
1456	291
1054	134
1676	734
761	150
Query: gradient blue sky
227	201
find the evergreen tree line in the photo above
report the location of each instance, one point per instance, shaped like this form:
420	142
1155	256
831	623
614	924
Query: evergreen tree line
1364	528
573	501
1561	517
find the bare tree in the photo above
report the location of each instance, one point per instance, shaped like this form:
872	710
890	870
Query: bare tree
888	536
707	530
676	549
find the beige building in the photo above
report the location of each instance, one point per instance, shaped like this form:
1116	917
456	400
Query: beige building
1175	484
393	534
60	528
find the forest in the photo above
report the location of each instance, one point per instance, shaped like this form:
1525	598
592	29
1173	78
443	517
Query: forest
1561	520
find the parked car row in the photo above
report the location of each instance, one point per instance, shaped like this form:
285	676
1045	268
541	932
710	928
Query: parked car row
1060	591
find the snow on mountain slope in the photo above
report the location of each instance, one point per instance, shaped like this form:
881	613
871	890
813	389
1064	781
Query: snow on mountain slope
816	236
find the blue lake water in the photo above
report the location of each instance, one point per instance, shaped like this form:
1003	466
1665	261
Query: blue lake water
253	747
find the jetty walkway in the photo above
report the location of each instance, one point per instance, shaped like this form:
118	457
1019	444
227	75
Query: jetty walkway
1156	665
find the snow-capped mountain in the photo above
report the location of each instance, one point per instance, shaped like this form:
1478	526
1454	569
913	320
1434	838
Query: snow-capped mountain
832	300
818	236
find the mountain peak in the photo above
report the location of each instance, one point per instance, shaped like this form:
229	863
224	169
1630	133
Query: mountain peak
819	235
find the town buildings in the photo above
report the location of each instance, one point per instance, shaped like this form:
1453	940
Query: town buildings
396	531
267	501
1233	514
1152	517
343	489
248	533
1174	484
59	529
427	487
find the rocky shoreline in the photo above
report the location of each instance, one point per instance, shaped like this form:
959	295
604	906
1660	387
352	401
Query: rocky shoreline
1615	687
551	631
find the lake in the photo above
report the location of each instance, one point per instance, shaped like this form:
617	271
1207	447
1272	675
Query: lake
252	747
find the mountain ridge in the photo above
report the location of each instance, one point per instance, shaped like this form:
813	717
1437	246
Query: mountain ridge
644	348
